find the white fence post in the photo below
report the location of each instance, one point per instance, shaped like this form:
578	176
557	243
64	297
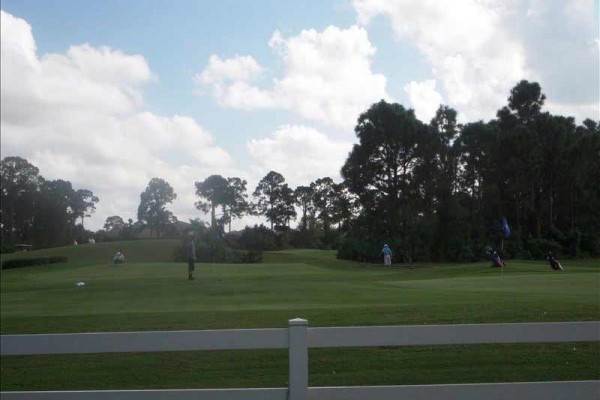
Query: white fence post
298	353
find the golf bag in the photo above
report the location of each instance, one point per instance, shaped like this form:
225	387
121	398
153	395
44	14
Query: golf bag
555	265
497	261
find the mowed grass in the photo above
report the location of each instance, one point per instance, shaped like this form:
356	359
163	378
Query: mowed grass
149	293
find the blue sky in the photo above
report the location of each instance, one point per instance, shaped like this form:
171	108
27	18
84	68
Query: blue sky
130	90
177	42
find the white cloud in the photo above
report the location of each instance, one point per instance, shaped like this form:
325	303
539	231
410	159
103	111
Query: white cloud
79	116
85	79
241	95
229	82
424	99
479	50
561	39
327	77
579	111
238	68
109	66
301	154
474	59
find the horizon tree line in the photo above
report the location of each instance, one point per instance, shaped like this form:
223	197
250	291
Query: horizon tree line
40	211
434	191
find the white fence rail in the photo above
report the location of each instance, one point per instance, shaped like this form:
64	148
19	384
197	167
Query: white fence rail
298	338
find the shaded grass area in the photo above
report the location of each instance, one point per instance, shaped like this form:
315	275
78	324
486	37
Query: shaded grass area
152	294
327	367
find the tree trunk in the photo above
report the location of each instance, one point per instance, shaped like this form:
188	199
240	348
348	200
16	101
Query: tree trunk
572	212
551	212
304	222
213	220
518	212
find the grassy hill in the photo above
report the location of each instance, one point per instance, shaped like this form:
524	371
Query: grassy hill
149	292
150	250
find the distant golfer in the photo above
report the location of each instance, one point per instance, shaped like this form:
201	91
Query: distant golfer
387	255
119	258
191	257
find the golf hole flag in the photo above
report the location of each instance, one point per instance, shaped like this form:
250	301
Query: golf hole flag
505	228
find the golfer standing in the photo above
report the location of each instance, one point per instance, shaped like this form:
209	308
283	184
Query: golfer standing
387	255
191	257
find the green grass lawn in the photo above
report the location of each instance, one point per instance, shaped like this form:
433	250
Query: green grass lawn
150	293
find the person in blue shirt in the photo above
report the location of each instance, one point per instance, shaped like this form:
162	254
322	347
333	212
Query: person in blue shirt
387	255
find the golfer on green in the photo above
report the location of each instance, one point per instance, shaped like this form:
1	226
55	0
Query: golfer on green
387	255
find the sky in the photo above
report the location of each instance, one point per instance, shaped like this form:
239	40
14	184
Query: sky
110	94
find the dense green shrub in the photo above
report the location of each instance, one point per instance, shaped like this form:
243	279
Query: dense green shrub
573	244
29	262
590	244
221	251
466	254
6	248
307	239
365	241
363	250
513	246
258	238
367	237
539	248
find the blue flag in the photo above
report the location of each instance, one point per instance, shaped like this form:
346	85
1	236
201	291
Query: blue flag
505	227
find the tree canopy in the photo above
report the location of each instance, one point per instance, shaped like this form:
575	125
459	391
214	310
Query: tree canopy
433	190
439	190
153	201
37	211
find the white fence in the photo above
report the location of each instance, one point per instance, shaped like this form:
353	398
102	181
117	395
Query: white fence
298	338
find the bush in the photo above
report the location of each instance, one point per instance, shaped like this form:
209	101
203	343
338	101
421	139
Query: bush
466	254
539	248
590	244
218	251
259	238
30	262
307	239
513	246
7	248
572	244
361	250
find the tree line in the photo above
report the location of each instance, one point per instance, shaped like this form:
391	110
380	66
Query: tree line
322	204
433	191
39	211
438	191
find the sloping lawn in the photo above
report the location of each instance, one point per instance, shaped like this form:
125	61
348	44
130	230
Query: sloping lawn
312	284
